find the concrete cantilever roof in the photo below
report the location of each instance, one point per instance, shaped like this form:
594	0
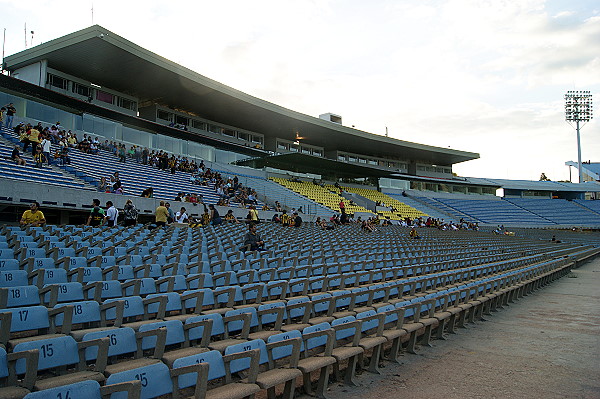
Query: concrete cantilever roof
104	58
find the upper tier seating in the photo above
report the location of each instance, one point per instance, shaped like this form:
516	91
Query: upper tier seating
559	211
492	211
29	173
134	176
402	210
322	195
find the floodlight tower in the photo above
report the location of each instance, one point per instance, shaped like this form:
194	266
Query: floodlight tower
578	108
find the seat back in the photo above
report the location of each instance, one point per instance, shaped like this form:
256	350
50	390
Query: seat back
213	358
121	341
218	327
29	318
175	334
85	389
244	364
53	352
155	380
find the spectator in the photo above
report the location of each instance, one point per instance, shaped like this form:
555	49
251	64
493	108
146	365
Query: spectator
230	217
252	240
97	214
118	187
46	149
161	215
16	157
33	216
253	214
297	220
2	111
39	158
171	217
275	218
103	185
181	216
148	193
414	234
285	218
64	156
214	216
10	113
130	214
205	219
112	214
33	138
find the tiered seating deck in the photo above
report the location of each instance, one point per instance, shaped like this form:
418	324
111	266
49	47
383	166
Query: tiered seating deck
110	306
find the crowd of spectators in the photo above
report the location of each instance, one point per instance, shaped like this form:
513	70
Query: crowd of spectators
41	138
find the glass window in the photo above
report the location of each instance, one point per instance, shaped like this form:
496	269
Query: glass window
164	115
351	159
243	136
104	97
57	81
215	129
181	120
306	150
198	125
372	162
342	158
127	104
82	90
282	146
229	132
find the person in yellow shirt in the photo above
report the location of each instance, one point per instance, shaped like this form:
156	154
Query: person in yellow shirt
161	214
33	216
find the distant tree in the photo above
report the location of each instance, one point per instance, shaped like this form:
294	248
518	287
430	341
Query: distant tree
543	177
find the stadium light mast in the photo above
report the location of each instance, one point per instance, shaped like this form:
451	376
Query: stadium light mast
578	108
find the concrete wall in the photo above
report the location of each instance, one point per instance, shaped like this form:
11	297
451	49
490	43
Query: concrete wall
22	193
33	73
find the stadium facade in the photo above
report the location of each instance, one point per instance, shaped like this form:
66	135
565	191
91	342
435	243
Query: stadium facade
95	82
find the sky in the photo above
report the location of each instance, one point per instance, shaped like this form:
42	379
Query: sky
486	76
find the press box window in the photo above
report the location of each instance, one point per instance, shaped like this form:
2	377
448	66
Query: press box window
198	125
82	90
127	104
57	81
180	120
105	97
164	115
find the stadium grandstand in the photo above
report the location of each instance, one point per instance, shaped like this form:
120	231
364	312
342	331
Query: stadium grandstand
148	311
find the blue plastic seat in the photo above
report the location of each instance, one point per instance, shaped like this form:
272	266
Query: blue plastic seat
63	292
9	264
24	295
7	253
13	278
155	379
85	389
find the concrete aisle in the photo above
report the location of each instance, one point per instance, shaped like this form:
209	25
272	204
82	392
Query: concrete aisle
546	345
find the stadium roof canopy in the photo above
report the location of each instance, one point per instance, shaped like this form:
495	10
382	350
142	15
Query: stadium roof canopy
532	185
592	169
106	59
